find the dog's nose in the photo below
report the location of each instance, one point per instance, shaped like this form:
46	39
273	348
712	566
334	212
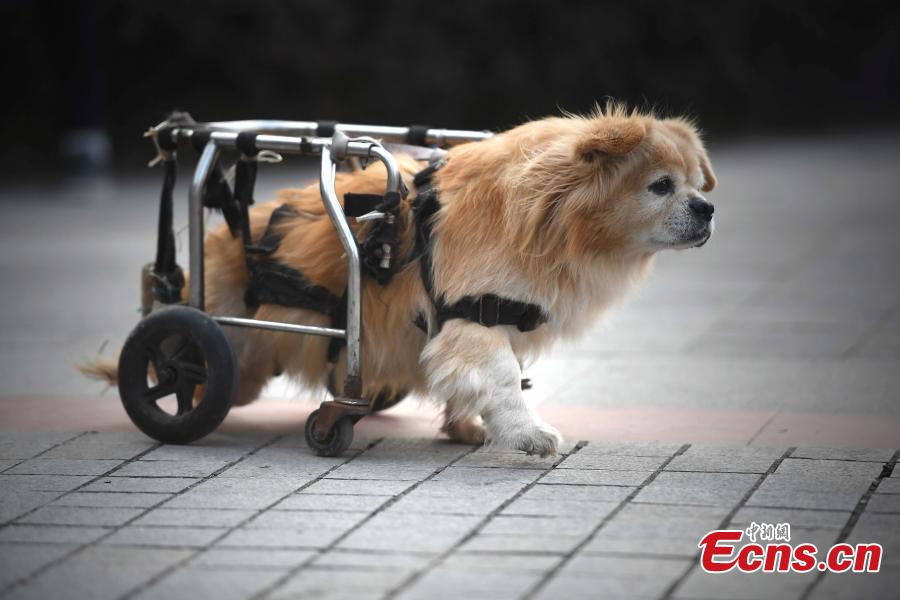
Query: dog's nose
701	208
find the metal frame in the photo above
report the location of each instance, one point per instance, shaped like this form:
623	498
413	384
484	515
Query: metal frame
298	137
436	137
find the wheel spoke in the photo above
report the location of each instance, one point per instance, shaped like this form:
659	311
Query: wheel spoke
185	395
156	356
195	374
159	391
178	351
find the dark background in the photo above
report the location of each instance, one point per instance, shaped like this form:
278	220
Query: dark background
742	68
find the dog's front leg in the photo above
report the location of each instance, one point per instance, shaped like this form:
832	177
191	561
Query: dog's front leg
474	371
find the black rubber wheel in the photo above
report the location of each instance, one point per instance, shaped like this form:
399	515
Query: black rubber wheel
339	440
168	355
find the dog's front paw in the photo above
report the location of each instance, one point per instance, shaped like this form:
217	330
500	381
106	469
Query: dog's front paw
540	439
543	441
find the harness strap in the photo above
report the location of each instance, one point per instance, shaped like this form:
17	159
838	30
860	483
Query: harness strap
168	279
244	180
272	282
417	135
356	205
271	239
165	237
325	128
425	207
491	310
269	280
488	310
218	194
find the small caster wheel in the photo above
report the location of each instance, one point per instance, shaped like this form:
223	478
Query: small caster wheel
338	440
177	358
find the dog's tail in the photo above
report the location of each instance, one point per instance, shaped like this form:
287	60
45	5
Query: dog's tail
102	368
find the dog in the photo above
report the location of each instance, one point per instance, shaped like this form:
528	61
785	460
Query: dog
565	213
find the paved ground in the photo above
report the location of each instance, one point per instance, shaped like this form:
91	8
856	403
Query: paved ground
781	336
109	515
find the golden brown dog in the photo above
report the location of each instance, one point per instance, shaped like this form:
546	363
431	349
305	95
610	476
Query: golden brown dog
565	213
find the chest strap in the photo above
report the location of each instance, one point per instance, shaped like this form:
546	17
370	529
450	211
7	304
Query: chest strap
488	310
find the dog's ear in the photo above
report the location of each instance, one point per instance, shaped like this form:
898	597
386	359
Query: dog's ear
609	137
709	178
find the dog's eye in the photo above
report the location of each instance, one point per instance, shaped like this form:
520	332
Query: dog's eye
662	186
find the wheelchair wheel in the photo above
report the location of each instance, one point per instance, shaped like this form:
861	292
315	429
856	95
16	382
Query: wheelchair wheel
177	375
338	440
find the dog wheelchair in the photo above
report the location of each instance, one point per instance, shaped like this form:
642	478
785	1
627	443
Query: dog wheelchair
179	350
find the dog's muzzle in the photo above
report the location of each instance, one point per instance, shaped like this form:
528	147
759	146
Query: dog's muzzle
704	239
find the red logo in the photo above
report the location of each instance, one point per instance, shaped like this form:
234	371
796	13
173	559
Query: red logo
720	552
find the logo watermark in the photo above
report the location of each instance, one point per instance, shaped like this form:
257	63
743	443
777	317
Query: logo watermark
769	551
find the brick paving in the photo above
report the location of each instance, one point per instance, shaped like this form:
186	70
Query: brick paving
115	515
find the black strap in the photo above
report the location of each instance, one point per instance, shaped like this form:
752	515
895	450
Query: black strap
165	140
165	237
488	310
169	279
244	181
425	207
417	136
272	282
218	195
199	138
246	143
325	128
424	177
271	238
356	205
491	310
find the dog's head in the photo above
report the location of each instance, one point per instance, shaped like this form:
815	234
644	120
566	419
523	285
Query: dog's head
610	182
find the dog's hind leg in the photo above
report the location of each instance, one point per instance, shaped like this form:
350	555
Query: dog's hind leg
465	430
255	360
251	380
474	370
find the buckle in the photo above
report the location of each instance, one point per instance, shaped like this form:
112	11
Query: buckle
489	310
531	319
